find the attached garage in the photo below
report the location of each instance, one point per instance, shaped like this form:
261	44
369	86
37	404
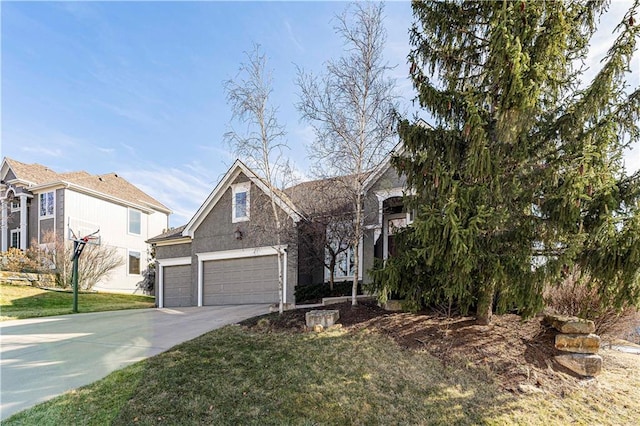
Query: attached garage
239	281
177	286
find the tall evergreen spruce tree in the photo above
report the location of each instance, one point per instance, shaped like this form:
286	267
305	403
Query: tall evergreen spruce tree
521	178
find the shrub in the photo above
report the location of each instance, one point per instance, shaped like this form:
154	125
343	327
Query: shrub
315	292
574	297
15	260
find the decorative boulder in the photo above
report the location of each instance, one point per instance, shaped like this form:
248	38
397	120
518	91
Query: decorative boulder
324	318
393	305
570	325
582	364
578	343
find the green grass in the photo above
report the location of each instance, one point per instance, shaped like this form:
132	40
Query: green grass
237	376
19	302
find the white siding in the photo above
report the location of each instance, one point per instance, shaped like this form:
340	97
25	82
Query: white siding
113	222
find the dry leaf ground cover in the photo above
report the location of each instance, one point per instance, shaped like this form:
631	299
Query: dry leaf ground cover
379	369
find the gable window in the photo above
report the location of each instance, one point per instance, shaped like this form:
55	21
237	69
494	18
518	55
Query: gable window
240	202
47	203
15	238
135	222
134	262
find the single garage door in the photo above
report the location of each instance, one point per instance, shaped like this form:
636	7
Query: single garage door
239	281
177	286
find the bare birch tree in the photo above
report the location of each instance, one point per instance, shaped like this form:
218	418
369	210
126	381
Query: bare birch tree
330	229
351	109
262	142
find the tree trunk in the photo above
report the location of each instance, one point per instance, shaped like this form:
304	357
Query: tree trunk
332	269
484	309
356	245
280	281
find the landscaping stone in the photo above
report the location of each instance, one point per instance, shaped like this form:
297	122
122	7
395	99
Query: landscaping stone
25	278
578	343
324	318
393	305
318	328
582	364
570	325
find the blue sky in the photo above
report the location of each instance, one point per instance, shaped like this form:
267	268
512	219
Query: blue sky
137	87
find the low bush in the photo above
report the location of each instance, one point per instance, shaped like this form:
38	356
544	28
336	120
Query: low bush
15	260
315	292
574	297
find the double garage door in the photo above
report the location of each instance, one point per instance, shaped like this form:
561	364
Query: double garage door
225	282
239	281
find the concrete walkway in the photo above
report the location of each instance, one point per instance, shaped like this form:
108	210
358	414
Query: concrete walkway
42	358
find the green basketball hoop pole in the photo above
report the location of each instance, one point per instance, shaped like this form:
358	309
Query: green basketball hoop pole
74	276
78	246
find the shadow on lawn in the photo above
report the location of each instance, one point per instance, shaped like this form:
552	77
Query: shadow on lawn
239	376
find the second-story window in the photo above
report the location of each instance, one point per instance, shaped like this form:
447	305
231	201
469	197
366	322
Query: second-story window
240	202
135	222
47	204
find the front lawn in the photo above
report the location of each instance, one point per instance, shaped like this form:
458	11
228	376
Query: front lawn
19	302
260	374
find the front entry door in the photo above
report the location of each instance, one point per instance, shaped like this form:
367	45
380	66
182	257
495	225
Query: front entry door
393	223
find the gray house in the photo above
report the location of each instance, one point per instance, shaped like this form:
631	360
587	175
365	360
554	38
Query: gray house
226	254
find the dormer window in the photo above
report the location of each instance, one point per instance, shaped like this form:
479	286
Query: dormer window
240	202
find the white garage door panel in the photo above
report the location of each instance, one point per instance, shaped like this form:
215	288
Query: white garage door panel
177	286
238	281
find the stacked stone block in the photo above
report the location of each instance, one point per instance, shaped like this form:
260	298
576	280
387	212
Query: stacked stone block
576	337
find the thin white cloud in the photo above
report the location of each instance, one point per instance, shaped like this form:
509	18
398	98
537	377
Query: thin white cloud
48	152
132	150
292	37
182	189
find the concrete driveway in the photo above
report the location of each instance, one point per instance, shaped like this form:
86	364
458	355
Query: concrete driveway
42	358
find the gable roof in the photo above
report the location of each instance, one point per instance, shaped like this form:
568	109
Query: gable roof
111	185
238	167
322	196
382	167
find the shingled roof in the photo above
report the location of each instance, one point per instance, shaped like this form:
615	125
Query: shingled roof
110	184
170	234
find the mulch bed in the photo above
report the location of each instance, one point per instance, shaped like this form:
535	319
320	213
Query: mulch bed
518	353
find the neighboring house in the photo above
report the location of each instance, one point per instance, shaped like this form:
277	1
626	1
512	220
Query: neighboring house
38	202
225	255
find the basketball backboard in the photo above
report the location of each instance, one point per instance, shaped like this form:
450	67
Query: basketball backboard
79	229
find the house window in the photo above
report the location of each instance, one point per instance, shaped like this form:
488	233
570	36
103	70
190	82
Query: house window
47	202
134	262
344	265
135	222
15	238
240	202
15	205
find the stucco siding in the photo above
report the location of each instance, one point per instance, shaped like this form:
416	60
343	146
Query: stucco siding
174	250
216	232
